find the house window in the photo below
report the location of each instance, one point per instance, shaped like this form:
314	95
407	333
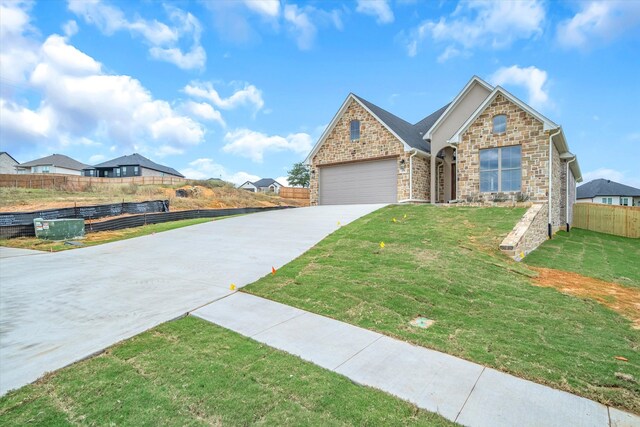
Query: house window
124	170
355	130
117	171
135	170
500	169
500	123
624	201
607	200
45	169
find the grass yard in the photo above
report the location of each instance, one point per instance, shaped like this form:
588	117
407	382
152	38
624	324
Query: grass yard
603	256
99	238
444	263
191	373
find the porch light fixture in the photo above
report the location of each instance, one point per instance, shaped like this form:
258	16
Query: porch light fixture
402	163
313	171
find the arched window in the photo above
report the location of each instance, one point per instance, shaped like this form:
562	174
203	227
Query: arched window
500	123
355	130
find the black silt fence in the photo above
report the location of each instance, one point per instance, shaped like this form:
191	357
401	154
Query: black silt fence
86	212
8	232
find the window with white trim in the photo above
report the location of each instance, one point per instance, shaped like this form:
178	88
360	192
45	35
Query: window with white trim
607	200
135	170
500	169
624	201
499	123
355	130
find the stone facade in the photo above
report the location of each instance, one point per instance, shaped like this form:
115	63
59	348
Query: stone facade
522	129
528	234
421	178
375	142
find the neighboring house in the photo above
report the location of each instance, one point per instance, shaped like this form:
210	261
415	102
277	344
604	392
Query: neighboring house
131	165
249	187
485	146
608	192
264	185
55	163
7	163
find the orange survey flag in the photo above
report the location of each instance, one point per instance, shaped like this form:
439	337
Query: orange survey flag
273	271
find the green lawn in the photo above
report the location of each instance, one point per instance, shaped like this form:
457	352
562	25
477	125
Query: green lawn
192	373
603	256
443	263
92	239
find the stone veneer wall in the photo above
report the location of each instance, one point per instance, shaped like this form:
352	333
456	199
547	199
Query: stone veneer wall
559	192
522	129
375	142
529	233
421	178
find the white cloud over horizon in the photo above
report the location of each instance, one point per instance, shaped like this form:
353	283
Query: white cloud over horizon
162	38
533	79
253	145
380	9
477	23
621	177
598	22
205	168
248	95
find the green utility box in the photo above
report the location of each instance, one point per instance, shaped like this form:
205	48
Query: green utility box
59	229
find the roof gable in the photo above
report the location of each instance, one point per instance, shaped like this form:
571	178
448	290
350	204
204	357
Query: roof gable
475	80
409	135
58	160
265	182
605	187
137	160
9	156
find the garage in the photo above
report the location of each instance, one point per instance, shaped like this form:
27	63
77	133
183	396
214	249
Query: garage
361	182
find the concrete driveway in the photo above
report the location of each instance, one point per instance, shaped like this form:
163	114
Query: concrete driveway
57	308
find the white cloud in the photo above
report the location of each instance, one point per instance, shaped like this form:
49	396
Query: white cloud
162	38
249	95
97	158
284	180
480	23
598	21
70	28
621	177
300	25
531	78
18	53
206	168
253	144
268	8
378	8
81	104
204	111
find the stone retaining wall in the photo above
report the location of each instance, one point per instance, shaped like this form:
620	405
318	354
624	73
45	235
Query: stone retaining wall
530	232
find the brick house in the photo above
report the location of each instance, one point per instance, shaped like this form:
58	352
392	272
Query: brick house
484	147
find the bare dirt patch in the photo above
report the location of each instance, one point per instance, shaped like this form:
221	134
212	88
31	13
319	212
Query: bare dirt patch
622	299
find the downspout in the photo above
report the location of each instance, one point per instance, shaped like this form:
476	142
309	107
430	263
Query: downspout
411	173
549	223
566	208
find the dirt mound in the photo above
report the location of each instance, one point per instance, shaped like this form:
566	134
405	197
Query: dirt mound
624	300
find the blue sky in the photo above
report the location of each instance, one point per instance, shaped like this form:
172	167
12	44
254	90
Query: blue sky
243	89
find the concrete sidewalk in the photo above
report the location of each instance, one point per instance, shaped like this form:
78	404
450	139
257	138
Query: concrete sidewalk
461	391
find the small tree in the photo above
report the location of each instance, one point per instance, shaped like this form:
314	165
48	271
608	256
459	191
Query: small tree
299	175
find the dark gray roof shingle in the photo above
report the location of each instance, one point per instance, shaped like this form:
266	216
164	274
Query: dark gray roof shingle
411	134
265	182
137	159
59	160
605	187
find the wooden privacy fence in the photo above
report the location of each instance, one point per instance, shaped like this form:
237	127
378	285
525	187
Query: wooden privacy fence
294	193
51	180
609	219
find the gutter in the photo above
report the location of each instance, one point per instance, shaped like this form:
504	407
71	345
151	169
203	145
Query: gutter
566	208
549	223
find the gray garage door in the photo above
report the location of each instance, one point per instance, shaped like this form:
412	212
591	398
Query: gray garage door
365	182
